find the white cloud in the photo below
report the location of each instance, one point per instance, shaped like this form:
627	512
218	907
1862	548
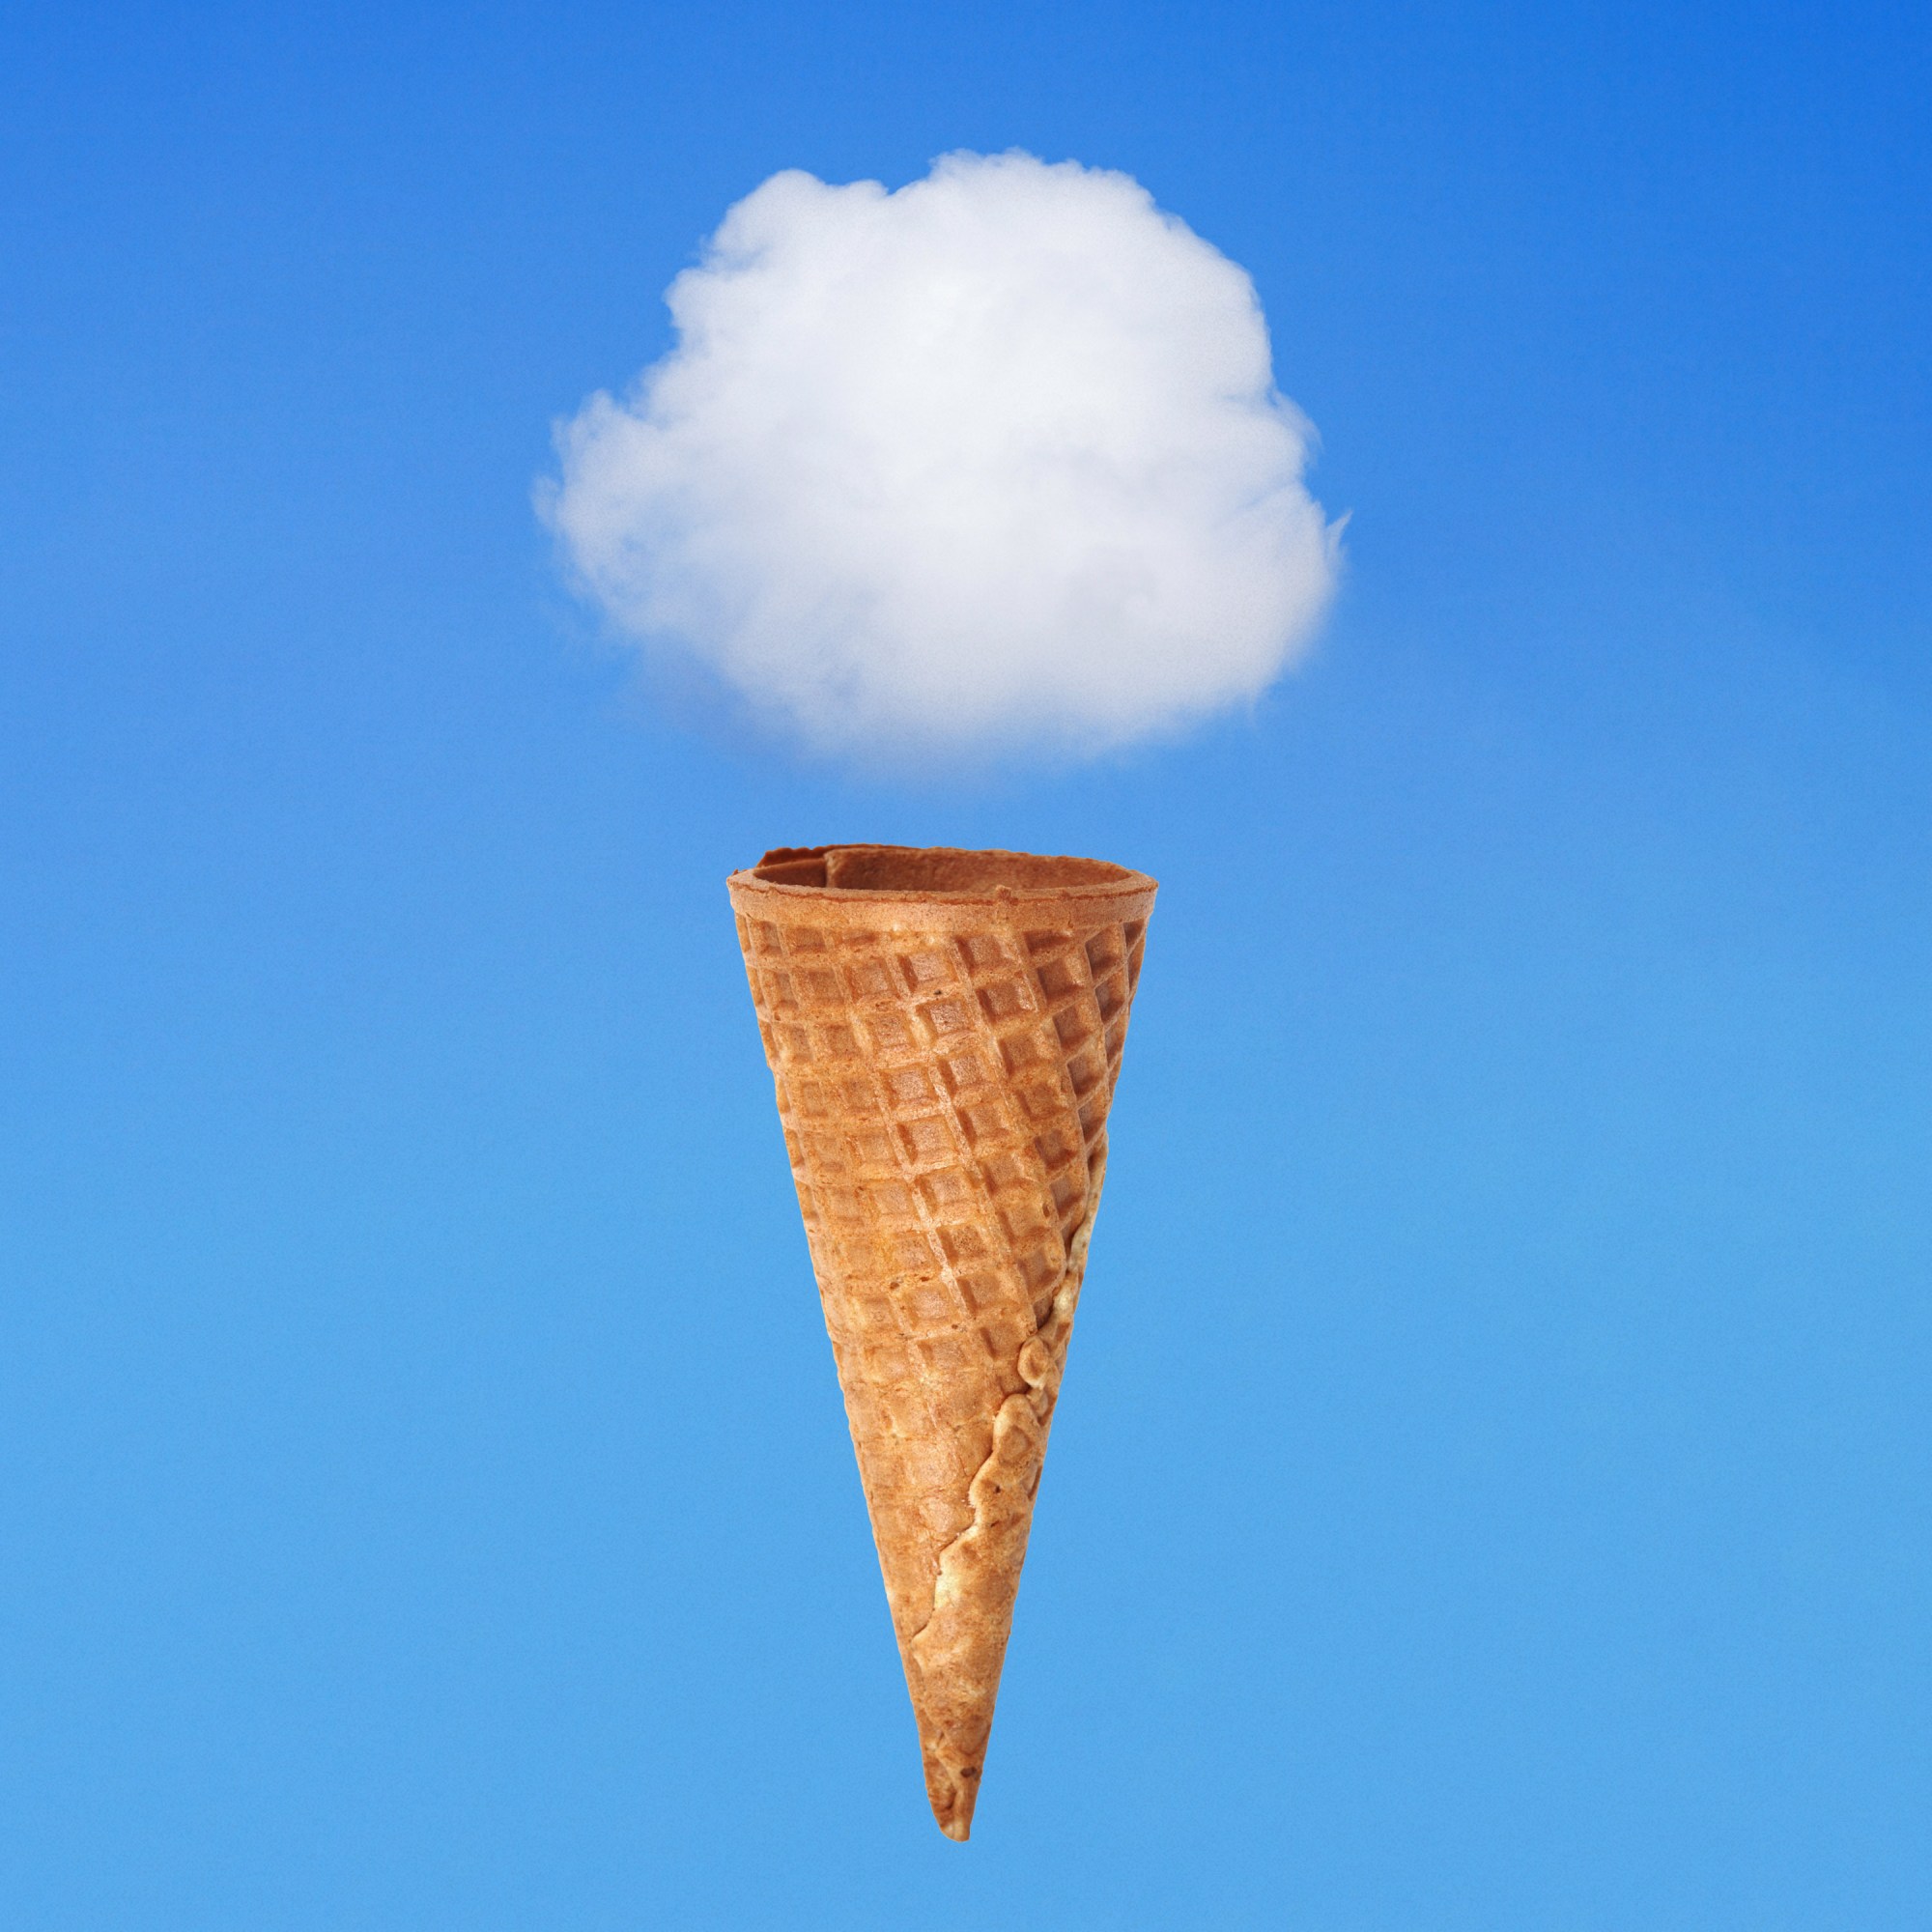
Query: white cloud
993	460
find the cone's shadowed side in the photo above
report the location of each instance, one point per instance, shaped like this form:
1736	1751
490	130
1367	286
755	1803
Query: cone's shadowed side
945	1029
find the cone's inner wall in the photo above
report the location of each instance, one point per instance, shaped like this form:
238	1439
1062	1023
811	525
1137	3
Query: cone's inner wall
906	869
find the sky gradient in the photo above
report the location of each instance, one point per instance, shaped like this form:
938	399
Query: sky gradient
1489	1487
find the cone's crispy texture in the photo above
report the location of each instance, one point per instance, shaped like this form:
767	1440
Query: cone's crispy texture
945	1029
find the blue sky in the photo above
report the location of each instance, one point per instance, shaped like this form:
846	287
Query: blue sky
1490	1486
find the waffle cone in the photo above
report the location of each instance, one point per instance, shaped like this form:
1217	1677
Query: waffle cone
945	1029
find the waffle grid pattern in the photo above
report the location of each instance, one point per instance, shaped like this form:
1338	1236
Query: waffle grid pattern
945	1101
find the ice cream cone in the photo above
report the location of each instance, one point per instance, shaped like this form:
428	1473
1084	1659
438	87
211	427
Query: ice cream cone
945	1029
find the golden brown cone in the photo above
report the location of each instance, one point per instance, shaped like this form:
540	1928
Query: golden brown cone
945	1029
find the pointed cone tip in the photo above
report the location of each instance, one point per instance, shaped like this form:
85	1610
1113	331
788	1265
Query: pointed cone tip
953	1802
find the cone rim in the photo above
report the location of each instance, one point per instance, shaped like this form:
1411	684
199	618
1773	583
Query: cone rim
1096	886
